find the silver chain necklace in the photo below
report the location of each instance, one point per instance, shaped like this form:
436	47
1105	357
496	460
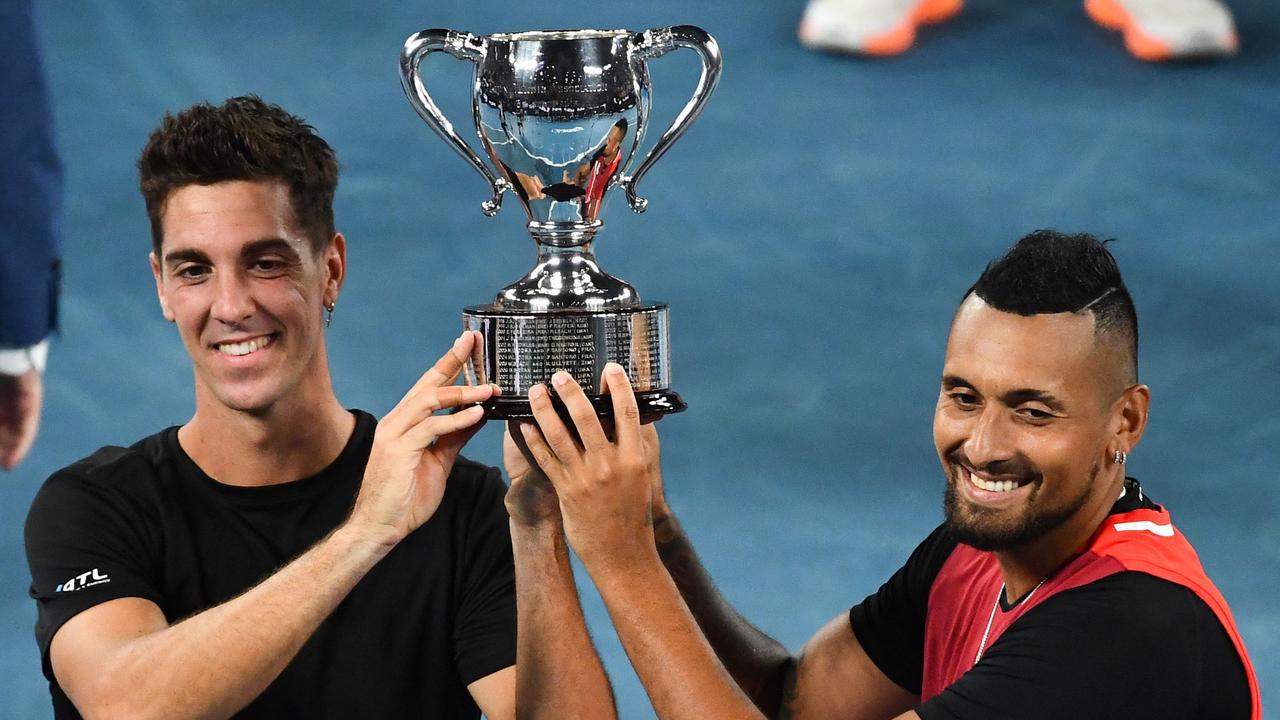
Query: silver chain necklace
987	633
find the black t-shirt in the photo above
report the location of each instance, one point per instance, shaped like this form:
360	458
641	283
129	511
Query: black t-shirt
1129	645
437	613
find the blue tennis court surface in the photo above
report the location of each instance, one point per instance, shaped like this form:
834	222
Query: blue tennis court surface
812	233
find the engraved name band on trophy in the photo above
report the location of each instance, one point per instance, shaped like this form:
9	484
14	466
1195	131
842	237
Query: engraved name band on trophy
561	115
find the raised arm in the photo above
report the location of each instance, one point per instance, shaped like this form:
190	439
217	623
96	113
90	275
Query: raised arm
604	498
831	676
611	499
122	658
760	665
560	674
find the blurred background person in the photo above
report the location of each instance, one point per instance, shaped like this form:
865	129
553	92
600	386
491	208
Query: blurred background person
1154	30
30	194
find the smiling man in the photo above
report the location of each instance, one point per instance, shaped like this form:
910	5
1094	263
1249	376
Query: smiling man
1055	588
278	555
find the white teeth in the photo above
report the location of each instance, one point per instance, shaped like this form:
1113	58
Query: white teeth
991	485
246	347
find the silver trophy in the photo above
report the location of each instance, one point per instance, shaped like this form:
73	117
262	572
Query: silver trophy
561	115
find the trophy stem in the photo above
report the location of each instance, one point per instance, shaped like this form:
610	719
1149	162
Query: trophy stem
567	277
563	234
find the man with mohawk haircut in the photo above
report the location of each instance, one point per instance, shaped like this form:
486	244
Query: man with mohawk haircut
1055	588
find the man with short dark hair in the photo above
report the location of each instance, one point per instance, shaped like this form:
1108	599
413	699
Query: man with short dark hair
1056	588
278	555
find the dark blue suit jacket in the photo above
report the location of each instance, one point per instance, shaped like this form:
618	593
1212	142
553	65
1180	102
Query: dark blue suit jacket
30	185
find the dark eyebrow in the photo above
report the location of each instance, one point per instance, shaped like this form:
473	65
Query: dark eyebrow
257	247
177	256
1014	398
280	245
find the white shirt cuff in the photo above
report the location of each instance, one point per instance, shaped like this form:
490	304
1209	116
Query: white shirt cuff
17	361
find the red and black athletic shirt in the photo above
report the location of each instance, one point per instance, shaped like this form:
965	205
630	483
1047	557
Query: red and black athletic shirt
1130	628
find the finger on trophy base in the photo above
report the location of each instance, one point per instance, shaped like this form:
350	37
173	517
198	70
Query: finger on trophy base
651	403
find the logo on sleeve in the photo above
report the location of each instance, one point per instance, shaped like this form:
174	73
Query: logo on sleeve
1145	525
83	580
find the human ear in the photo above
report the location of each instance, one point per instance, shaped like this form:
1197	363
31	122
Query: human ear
160	293
335	261
1130	417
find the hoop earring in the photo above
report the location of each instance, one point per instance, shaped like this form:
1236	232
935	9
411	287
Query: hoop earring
328	313
1120	457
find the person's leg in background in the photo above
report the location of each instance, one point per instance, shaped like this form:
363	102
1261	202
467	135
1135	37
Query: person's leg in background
870	27
1159	30
1154	30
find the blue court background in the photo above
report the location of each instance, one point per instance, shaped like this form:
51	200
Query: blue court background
812	233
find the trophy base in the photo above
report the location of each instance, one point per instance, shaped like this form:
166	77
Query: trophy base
523	348
657	402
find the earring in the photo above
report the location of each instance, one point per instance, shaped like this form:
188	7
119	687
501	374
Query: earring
328	310
1120	457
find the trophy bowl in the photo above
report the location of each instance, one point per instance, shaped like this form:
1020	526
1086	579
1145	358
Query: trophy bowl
561	114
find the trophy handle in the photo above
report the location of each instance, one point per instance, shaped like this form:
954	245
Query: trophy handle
656	43
463	46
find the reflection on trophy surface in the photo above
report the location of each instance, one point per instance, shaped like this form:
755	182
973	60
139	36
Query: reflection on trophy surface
561	115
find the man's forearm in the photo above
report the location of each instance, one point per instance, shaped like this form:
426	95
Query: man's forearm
758	663
214	663
676	664
558	672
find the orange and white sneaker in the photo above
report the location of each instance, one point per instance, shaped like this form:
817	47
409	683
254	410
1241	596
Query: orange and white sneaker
870	27
1159	30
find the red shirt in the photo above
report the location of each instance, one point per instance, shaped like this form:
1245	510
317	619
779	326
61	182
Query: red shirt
967	588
